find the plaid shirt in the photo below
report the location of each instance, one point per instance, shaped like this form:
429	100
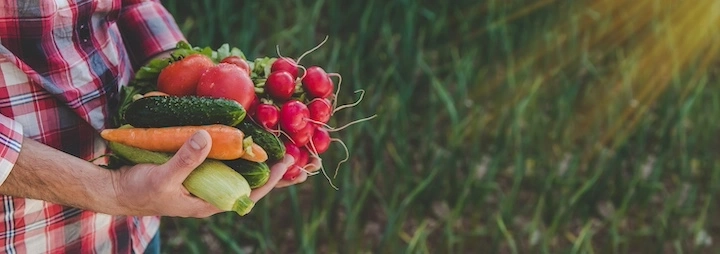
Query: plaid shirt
62	63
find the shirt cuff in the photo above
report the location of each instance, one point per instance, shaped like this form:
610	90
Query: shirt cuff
147	29
11	137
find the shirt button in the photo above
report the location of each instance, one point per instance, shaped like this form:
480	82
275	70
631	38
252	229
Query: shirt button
84	32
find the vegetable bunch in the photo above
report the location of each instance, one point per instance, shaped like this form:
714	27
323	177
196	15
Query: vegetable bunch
270	104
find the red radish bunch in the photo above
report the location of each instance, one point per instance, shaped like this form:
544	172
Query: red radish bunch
296	103
297	108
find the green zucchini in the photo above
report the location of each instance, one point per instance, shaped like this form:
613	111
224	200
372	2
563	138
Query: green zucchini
166	111
256	173
212	181
268	141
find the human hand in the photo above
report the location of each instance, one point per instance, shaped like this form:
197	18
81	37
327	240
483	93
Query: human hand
147	189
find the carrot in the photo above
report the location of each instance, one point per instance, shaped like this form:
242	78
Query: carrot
227	141
255	153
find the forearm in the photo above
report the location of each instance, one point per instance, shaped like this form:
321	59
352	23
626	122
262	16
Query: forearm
44	173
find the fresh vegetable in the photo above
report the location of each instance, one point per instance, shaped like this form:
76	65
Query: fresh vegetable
267	115
256	173
302	136
320	141
317	83
285	64
165	111
280	85
293	116
227	141
284	107
227	81
319	110
254	152
268	141
301	159
181	77
212	181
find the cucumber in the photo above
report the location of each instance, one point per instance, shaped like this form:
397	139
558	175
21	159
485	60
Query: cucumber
268	141
166	111
256	173
212	180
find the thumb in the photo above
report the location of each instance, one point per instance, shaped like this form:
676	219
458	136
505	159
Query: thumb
190	155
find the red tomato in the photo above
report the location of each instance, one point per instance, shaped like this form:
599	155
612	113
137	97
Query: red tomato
227	81
180	78
236	60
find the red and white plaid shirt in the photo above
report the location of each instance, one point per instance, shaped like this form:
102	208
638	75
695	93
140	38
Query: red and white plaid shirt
62	63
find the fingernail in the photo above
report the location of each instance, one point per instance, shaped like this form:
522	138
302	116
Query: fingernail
197	142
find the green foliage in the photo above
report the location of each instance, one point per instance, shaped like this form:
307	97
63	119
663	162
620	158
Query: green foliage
474	150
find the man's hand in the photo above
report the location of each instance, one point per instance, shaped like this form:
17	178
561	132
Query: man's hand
147	189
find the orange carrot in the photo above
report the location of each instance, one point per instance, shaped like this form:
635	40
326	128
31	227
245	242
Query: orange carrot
256	153
227	141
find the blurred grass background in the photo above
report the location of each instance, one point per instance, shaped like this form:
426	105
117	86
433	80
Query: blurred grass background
518	126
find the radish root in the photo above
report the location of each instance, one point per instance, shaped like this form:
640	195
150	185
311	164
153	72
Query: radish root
362	94
304	72
311	50
277	49
351	123
347	155
314	154
337	91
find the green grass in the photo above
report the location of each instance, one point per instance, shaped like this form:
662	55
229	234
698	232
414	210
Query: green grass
473	150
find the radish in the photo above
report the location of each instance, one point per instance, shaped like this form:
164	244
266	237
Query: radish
292	149
320	141
317	83
320	110
301	159
280	85
302	137
267	115
293	116
285	64
292	173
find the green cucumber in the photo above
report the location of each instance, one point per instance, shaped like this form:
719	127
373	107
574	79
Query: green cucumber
268	141
212	180
256	173
166	111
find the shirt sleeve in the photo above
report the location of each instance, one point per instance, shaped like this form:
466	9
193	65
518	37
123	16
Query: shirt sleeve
147	29
11	137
